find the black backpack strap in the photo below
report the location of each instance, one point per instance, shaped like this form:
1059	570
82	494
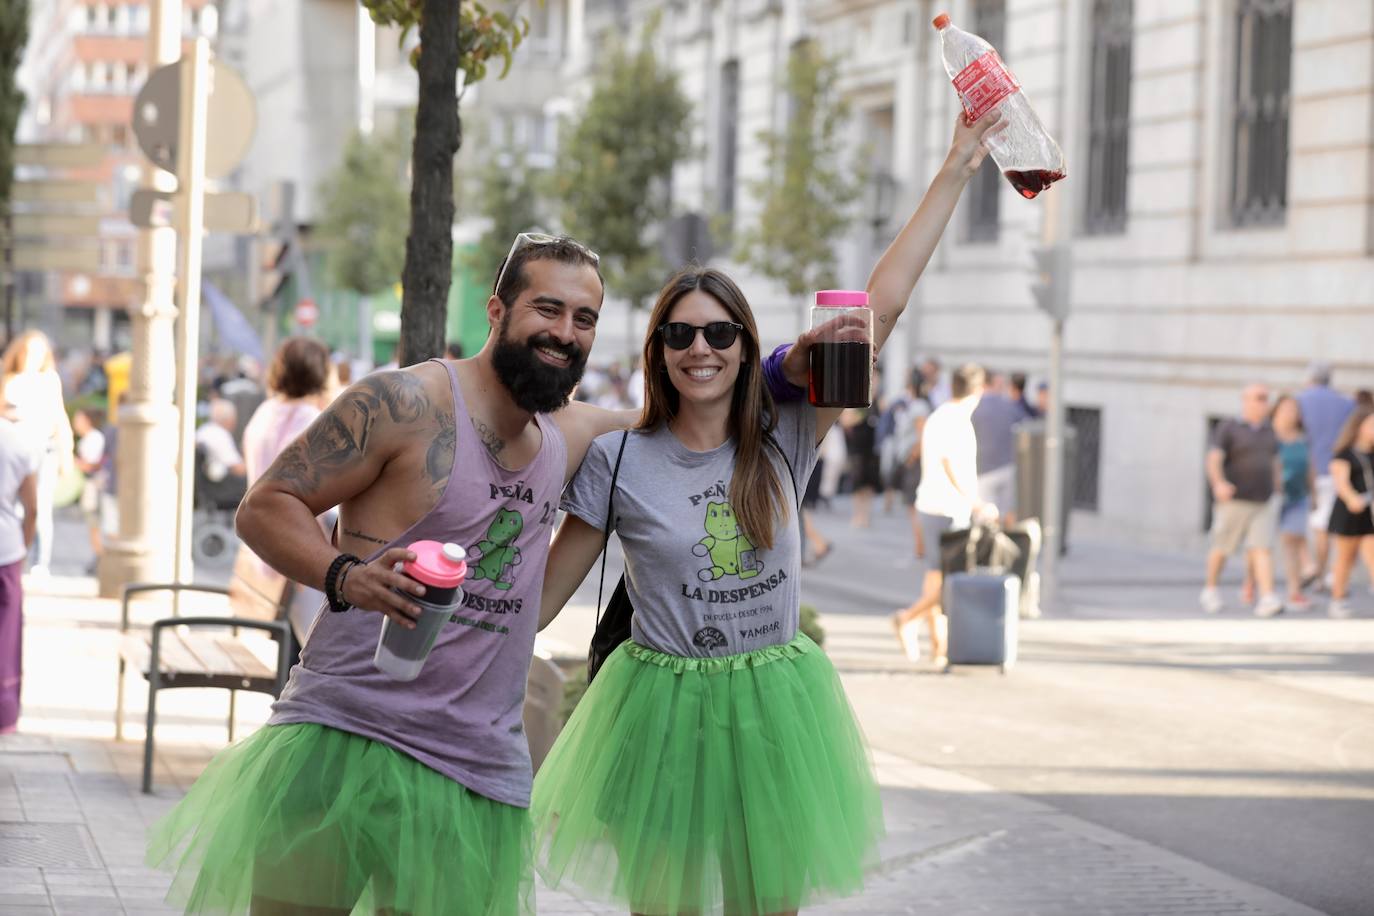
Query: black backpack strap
791	475
610	521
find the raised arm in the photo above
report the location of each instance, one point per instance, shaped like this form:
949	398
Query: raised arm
575	548
339	456
895	275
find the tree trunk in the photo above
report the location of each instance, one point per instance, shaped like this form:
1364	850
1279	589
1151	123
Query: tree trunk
428	269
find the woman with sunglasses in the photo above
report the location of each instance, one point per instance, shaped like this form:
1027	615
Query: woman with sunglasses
715	762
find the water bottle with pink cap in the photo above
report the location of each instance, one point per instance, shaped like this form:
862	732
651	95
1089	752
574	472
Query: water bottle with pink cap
441	568
841	372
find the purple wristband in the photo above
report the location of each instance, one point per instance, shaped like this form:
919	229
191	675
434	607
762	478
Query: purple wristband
782	390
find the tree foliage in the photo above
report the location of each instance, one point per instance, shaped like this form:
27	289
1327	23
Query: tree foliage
484	34
14	34
507	197
807	195
364	214
616	163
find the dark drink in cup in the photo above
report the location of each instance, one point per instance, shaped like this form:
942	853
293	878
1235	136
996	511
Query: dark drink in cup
841	374
841	370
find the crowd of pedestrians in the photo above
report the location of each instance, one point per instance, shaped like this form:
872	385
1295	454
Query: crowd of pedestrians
1297	470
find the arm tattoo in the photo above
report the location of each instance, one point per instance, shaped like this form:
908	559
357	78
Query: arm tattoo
440	454
364	537
493	442
883	319
341	435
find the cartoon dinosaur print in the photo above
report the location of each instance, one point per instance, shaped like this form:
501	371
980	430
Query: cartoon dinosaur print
499	556
730	551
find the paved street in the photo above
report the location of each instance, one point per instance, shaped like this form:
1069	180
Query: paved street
1140	758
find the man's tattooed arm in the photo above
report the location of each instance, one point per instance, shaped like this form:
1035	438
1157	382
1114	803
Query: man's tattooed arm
343	436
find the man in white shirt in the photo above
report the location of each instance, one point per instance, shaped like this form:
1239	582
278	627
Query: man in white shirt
946	499
216	440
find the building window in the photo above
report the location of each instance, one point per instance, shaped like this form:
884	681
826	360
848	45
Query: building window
1264	53
1109	117
729	141
989	21
1087	457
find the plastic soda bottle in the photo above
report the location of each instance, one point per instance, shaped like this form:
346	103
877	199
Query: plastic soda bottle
1023	150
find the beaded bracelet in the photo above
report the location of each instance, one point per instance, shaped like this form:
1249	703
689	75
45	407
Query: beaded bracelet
331	583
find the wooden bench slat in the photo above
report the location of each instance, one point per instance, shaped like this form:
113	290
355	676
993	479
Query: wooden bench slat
202	644
245	658
176	658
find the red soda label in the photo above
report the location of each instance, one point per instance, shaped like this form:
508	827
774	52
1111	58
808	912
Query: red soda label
984	83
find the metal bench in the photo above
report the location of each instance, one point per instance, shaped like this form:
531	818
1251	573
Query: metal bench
207	651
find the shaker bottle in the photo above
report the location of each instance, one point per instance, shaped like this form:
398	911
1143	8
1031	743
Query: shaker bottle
841	371
441	568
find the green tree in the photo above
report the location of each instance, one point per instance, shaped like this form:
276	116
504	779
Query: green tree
455	35
364	218
14	33
616	163
507	197
807	195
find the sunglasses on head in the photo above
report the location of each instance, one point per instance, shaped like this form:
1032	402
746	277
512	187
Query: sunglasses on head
528	239
720	335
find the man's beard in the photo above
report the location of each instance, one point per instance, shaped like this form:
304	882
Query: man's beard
533	384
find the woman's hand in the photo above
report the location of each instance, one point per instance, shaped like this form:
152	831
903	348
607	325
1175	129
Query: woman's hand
1357	503
796	362
969	146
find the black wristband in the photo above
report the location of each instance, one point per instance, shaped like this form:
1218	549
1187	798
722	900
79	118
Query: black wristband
331	582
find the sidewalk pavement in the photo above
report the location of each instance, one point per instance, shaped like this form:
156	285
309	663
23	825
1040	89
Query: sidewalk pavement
72	820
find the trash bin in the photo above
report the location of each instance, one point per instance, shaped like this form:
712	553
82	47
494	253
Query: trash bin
1030	474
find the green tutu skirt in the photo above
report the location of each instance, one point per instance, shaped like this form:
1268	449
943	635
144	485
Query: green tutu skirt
696	785
309	816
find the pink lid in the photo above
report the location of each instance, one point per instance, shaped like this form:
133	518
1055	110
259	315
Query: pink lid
841	298
437	564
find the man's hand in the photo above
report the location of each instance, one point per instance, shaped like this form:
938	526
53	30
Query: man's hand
1223	491
372	587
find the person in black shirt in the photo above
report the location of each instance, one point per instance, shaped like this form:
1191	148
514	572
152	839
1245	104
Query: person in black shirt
1352	518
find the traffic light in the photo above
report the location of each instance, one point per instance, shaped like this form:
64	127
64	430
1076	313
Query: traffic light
1053	266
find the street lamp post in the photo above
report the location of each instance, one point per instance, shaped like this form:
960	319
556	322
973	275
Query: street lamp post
146	447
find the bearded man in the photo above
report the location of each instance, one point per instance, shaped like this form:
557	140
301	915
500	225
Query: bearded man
409	797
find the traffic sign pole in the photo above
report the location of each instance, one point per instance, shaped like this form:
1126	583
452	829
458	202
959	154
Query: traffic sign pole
190	218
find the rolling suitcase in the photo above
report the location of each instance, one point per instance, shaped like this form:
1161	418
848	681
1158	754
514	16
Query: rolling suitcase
983	612
1026	536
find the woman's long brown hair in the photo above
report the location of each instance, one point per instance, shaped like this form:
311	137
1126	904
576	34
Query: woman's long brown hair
1350	431
756	493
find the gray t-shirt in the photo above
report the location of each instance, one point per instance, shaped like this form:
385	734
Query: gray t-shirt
699	587
994	423
18	459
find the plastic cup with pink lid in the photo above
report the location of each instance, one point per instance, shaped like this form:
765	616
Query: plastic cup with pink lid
441	568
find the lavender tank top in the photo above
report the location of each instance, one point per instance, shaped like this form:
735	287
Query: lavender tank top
463	715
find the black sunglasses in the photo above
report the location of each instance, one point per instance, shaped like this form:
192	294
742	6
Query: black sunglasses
720	335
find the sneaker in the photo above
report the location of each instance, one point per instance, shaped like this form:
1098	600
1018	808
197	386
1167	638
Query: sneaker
1210	599
907	637
1269	606
1338	609
1298	604
911	640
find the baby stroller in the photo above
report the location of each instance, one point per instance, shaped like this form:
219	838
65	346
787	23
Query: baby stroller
212	539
